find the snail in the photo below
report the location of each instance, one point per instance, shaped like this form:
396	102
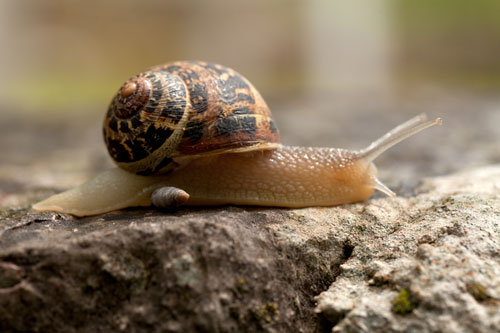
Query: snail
197	133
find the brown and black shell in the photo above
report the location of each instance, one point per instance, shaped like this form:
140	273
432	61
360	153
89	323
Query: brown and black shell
181	109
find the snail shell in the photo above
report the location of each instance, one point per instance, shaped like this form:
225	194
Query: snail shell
183	110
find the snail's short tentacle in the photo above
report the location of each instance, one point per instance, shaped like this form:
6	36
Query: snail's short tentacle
169	197
377	184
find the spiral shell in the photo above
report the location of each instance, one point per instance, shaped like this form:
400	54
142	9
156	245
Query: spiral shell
185	109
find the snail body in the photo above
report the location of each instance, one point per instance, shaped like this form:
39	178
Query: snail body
208	138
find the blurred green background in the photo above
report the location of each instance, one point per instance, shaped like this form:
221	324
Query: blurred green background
60	55
335	73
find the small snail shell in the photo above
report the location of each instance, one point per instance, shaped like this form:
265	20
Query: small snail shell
197	133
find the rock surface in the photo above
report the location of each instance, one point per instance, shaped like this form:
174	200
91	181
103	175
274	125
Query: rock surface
427	263
428	260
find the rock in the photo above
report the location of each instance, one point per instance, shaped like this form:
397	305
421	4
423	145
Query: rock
427	260
209	270
426	263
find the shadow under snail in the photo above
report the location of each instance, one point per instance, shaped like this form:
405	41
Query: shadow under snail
196	133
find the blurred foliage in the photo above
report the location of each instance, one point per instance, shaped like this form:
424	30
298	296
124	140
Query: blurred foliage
455	41
60	53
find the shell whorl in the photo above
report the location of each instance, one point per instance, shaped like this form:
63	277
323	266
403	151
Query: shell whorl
185	109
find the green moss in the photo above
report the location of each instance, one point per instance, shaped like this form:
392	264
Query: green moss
403	304
241	285
266	312
478	291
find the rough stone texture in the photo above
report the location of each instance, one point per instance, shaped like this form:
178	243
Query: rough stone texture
216	271
428	260
426	263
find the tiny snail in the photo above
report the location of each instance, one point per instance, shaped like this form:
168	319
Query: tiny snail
196	133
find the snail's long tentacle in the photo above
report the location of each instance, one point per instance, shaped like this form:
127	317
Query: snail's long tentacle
397	135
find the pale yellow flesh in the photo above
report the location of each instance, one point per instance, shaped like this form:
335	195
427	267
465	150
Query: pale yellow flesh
286	177
111	190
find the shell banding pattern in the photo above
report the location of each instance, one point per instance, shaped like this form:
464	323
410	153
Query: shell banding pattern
185	109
